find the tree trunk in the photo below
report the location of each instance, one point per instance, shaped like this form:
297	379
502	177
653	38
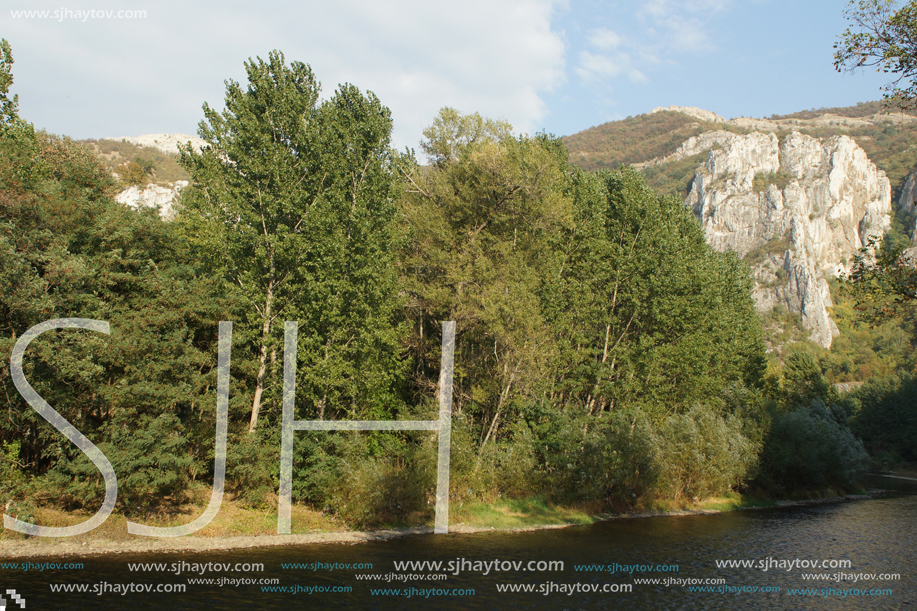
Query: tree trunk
504	395
262	367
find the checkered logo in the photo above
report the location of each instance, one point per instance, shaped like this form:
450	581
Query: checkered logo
14	597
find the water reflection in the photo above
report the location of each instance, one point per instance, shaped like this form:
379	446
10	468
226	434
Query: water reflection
877	536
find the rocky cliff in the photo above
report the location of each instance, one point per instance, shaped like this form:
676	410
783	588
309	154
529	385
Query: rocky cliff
160	197
795	208
160	194
907	201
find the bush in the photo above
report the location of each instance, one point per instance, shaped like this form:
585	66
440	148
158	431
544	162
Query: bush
136	172
148	455
811	447
369	479
624	458
884	415
253	465
703	454
384	491
574	458
12	477
632	459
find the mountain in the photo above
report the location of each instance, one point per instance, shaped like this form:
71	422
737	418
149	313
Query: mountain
795	196
796	209
650	141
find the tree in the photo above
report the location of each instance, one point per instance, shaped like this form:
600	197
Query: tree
570	290
452	132
68	250
883	280
885	38
649	316
8	106
293	203
481	217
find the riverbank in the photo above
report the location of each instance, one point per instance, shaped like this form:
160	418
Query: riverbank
112	538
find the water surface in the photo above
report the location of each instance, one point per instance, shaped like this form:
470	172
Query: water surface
876	536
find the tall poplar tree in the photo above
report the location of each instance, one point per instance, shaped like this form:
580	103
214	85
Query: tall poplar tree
293	203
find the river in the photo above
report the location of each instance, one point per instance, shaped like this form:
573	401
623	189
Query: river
860	547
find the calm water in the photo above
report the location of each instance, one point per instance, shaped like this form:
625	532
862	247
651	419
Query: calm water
877	536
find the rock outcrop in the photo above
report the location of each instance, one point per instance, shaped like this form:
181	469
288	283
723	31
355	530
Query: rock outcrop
907	201
167	143
692	111
153	196
700	143
163	195
796	209
908	195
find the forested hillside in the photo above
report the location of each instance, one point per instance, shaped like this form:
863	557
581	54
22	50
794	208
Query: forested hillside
606	356
633	140
877	351
652	137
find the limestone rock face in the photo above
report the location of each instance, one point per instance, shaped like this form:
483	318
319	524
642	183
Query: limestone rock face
796	210
909	193
153	196
908	203
167	143
160	196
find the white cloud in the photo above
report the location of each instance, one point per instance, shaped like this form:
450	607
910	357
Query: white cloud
603	38
689	36
496	58
657	29
597	67
420	56
441	55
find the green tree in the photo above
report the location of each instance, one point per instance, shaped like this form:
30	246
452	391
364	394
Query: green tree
67	249
883	280
576	296
293	203
8	106
886	38
481	218
811	447
883	413
452	132
648	315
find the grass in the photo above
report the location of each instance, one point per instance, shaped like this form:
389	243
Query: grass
234	519
733	501
529	513
520	513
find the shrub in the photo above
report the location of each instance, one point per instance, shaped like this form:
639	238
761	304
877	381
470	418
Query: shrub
384	478
884	415
703	453
811	447
148	455
12	477
253	465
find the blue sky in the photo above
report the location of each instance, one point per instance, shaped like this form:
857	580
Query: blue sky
558	66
